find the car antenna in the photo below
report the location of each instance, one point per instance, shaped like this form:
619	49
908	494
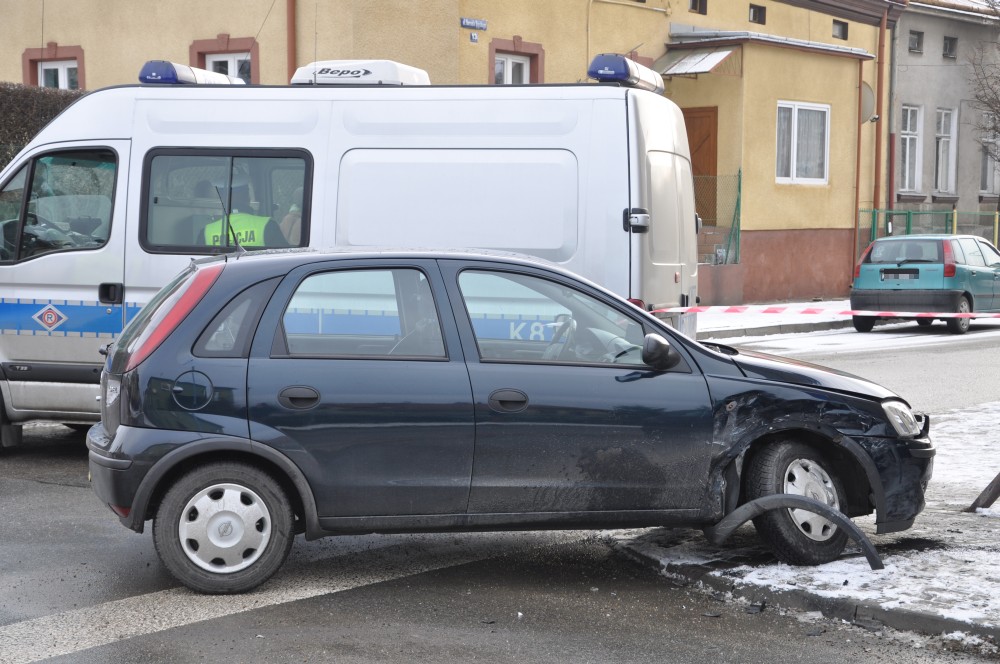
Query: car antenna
240	250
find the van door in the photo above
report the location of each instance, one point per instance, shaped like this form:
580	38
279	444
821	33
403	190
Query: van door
61	267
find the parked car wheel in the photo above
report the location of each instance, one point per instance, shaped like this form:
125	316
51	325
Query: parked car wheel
797	537
863	323
224	528
960	325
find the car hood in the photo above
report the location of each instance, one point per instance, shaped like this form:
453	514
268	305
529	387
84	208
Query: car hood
785	370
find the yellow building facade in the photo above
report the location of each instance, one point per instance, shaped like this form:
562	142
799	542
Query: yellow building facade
787	61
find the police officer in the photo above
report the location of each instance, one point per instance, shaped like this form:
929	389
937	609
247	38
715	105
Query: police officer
251	230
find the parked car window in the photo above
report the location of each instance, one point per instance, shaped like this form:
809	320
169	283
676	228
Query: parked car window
522	318
231	331
205	201
363	313
68	204
990	254
909	250
973	252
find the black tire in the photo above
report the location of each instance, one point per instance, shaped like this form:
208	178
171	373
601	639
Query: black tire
797	537
243	513
924	322
960	325
863	323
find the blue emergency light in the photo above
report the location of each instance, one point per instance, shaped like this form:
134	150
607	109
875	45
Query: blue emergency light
170	73
613	68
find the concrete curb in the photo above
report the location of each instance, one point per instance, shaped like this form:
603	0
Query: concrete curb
780	328
861	614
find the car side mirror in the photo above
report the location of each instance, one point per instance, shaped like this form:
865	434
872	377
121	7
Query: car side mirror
658	353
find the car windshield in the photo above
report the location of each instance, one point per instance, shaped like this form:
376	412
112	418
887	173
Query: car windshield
906	251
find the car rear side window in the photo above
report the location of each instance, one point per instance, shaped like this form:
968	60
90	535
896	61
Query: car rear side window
363	313
231	331
973	252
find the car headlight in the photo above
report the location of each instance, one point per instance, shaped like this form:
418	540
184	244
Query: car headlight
901	418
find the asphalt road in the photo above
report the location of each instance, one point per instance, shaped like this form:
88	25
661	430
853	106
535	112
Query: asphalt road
78	587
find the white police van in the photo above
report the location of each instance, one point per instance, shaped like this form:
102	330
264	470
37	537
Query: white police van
115	195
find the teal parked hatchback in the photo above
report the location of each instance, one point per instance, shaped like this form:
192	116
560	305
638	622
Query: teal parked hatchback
927	274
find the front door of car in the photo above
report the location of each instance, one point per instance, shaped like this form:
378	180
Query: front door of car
362	383
568	419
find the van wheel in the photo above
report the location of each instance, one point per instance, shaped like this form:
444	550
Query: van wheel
863	323
797	537
961	325
224	528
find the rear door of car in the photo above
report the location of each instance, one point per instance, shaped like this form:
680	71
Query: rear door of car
358	376
992	259
978	275
588	430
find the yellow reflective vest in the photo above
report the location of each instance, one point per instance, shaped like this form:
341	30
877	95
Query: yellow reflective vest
249	229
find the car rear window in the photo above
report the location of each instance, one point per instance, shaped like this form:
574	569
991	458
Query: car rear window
898	251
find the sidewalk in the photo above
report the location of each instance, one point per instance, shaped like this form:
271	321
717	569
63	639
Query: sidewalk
941	577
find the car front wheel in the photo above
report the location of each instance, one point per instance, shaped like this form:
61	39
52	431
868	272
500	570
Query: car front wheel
797	537
960	325
224	528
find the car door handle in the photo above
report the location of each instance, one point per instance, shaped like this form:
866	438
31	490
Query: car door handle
508	401
298	397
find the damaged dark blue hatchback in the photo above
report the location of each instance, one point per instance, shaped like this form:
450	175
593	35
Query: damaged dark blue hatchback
261	396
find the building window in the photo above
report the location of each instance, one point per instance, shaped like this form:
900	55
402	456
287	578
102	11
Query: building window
54	66
909	149
840	29
944	175
950	47
803	140
511	69
237	57
988	176
516	62
61	74
698	6
758	14
230	64
916	41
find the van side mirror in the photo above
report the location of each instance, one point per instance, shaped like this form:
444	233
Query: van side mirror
658	353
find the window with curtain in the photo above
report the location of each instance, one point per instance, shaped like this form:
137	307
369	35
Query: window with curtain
988	176
802	143
909	149
943	151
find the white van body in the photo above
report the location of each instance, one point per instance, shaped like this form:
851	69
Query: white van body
567	173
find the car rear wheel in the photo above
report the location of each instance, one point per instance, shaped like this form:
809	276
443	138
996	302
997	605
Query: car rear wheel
863	323
960	325
797	537
224	528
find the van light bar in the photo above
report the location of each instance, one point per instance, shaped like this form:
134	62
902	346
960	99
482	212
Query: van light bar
613	68
359	72
170	73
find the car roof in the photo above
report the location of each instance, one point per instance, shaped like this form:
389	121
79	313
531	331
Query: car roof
926	236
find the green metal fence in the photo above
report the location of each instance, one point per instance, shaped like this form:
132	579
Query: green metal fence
874	224
717	200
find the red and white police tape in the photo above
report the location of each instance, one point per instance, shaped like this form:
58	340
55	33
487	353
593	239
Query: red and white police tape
777	309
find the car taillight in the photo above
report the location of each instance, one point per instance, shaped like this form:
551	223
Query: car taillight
172	313
857	267
949	259
637	302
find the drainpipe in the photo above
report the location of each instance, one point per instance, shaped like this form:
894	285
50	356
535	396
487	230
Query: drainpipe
880	88
290	37
857	168
890	194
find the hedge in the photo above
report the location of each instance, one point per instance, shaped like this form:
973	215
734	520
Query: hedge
24	110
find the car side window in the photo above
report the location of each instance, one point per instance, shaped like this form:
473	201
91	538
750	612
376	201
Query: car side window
59	202
208	200
522	318
990	254
973	252
364	313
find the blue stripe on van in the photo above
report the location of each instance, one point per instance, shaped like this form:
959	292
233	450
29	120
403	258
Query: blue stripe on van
61	318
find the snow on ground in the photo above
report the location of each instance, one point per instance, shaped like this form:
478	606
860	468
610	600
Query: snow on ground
946	565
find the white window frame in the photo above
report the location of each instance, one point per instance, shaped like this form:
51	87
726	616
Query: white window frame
509	60
792	178
945	146
910	148
989	175
232	61
62	68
